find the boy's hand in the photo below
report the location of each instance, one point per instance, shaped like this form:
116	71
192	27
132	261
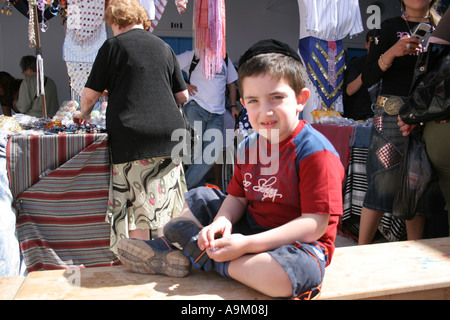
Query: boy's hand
228	248
207	236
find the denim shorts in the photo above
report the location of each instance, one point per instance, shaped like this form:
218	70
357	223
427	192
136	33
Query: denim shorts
304	263
383	167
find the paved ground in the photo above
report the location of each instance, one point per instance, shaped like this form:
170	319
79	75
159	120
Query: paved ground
342	241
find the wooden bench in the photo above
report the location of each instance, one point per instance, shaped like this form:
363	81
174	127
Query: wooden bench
403	270
393	270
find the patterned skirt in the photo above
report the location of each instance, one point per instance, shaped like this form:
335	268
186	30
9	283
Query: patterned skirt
144	194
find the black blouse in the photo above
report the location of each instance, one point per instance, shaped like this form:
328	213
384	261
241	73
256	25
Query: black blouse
398	78
141	74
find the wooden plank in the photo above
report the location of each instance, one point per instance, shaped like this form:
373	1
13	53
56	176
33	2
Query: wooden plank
9	286
434	294
416	269
117	283
395	270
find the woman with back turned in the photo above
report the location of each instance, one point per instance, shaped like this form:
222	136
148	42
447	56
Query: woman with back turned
391	59
144	83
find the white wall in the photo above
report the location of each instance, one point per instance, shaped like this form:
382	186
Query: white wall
250	21
247	21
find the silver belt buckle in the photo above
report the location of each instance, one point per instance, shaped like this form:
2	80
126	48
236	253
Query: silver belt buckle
393	105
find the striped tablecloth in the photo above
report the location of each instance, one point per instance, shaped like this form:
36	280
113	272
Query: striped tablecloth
60	186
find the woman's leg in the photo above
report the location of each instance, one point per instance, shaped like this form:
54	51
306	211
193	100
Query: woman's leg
415	227
370	220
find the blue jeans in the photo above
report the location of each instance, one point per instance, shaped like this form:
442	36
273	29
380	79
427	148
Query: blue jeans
203	161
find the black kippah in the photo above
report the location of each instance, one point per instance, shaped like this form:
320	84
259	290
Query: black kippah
269	46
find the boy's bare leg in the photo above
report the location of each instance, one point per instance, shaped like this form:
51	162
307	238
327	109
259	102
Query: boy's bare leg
258	271
139	234
262	273
186	213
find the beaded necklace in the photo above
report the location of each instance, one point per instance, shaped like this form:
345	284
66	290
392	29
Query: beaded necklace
405	17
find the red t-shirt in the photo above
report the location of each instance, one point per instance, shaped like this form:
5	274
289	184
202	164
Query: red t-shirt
302	174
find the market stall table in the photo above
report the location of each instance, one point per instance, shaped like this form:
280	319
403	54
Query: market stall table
60	187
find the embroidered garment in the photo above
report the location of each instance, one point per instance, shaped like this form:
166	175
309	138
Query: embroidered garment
323	25
325	64
85	34
329	20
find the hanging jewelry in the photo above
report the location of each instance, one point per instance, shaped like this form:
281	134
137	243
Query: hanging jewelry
31	32
6	7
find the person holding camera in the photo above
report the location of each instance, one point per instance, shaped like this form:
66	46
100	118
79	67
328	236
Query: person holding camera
391	59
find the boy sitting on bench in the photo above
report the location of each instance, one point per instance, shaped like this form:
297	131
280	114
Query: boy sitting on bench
275	229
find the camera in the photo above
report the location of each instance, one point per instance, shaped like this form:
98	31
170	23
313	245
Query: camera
421	31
